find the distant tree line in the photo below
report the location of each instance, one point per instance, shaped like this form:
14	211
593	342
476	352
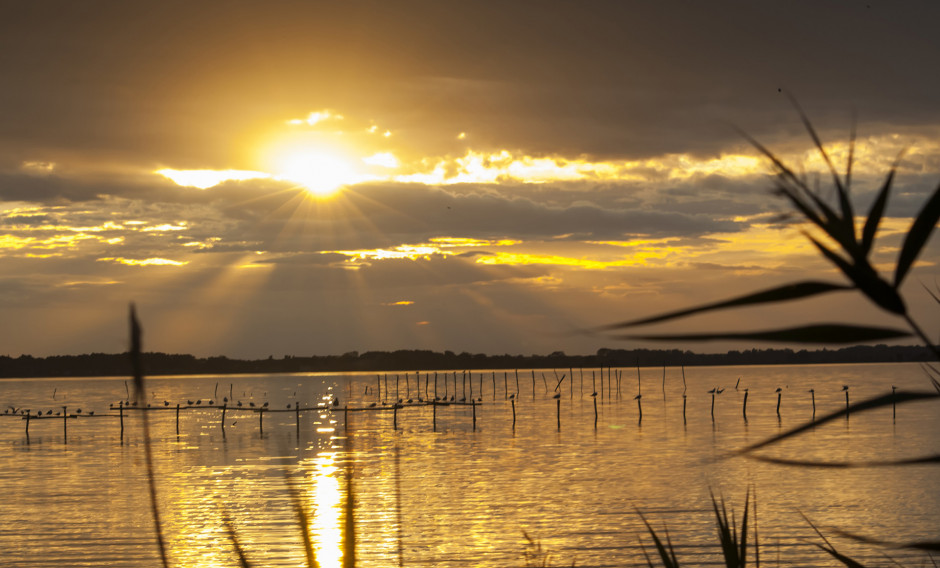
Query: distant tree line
104	364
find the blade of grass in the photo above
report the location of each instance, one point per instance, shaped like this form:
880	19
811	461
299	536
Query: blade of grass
303	521
899	397
819	333
788	292
831	549
137	368
837	465
233	536
925	545
666	554
917	236
877	209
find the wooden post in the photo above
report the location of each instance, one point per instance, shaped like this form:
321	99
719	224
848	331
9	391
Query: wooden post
713	407
473	405
595	412
505	385
297	416
386	386
558	412
513	401
65	425
222	423
121	414
639	405
434	411
683	408
812	393
396	389
346	416
177	420
395	417
744	408
779	395
533	385
260	421
378	387
27	425
517	382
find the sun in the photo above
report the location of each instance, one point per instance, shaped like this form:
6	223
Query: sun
321	173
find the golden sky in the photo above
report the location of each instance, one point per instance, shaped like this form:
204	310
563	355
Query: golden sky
316	178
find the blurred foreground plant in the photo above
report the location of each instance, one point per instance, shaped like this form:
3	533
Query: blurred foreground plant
851	256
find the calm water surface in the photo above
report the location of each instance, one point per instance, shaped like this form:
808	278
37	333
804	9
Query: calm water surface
459	496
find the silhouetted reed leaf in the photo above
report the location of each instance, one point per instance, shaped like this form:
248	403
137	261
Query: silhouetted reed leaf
842	465
779	294
899	397
917	236
304	523
925	545
877	211
831	549
819	333
233	536
666	552
137	368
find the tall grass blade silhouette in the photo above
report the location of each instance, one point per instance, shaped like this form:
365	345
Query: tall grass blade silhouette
349	519
304	524
733	549
667	553
779	294
137	369
233	536
917	236
817	333
899	397
851	563
925	545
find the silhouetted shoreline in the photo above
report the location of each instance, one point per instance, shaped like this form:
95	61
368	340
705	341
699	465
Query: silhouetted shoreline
117	364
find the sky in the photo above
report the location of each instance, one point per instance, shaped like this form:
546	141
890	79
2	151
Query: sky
313	178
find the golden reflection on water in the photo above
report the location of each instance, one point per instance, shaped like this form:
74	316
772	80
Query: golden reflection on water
325	500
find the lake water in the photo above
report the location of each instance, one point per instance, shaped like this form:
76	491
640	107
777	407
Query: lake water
75	493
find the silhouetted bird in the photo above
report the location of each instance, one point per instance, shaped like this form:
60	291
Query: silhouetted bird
719	391
189	402
845	387
638	397
251	404
372	405
265	405
211	402
336	401
199	401
91	413
557	395
778	389
224	399
513	395
239	403
288	406
166	403
713	391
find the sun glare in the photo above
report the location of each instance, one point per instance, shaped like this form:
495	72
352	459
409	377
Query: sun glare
321	173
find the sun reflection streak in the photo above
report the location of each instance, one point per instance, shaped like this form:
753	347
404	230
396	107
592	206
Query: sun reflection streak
327	506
